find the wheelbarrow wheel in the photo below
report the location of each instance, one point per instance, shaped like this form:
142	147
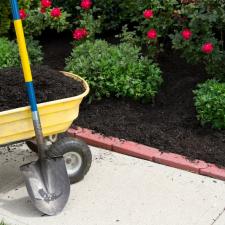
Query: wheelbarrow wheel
77	156
32	146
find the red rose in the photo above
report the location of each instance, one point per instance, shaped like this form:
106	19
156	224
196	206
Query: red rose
152	34
77	34
56	12
23	14
207	48
186	34
43	10
148	13
46	3
86	4
80	33
84	32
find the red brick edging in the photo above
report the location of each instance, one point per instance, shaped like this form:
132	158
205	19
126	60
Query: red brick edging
145	152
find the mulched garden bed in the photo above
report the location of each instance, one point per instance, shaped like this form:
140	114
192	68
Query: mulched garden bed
49	85
170	124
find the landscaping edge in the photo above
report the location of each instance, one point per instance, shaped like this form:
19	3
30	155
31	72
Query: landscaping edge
148	153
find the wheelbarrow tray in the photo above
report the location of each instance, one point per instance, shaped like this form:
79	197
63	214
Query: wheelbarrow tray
56	117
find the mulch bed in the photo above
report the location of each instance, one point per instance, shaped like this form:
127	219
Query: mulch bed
170	124
49	85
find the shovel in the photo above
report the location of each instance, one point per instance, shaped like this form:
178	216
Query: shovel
46	179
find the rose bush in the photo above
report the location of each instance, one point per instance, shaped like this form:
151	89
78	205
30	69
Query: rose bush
155	23
199	35
37	19
86	24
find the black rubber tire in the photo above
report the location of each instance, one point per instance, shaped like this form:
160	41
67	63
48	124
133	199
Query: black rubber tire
33	146
70	144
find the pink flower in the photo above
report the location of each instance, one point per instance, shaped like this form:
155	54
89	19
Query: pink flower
152	34
46	3
86	4
23	14
148	13
80	33
207	48
186	34
56	12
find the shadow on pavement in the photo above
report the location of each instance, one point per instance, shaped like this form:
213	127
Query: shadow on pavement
21	207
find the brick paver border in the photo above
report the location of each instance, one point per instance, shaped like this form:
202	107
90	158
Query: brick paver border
148	153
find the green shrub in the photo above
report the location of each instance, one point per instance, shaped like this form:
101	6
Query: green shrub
210	103
115	70
4	17
9	53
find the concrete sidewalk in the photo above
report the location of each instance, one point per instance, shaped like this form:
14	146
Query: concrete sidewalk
118	190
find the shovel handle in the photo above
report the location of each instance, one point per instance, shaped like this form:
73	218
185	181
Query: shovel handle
28	77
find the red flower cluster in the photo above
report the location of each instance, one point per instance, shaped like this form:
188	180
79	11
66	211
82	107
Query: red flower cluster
186	34
207	48
148	13
152	34
23	14
56	12
86	4
46	3
80	33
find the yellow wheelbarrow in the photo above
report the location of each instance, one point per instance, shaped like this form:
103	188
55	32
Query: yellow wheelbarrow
16	126
47	179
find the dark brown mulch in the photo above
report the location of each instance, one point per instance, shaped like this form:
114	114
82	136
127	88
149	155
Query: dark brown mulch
170	124
57	47
49	85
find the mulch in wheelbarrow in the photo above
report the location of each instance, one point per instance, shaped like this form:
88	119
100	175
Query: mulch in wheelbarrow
49	85
170	124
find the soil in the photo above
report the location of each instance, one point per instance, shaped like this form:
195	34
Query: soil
57	47
170	124
49	85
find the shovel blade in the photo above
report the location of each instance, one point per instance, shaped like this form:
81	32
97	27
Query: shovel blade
47	184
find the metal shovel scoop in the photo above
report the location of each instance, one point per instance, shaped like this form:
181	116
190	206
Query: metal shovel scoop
46	180
47	184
